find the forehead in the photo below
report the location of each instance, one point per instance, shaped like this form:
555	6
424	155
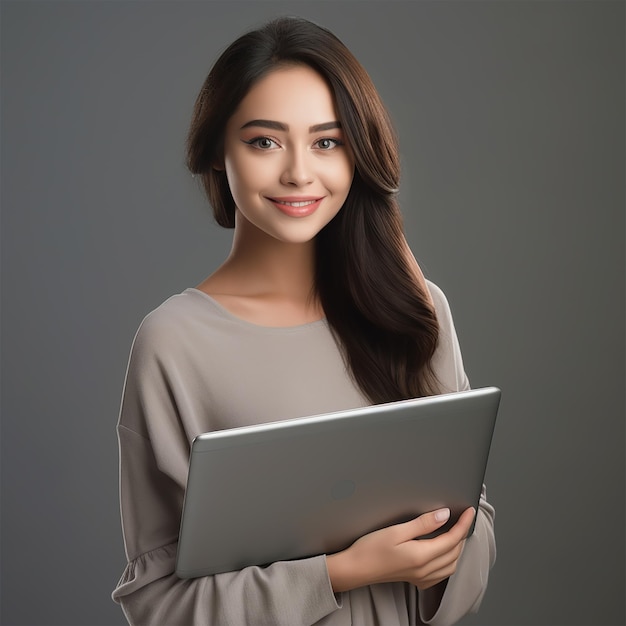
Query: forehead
295	95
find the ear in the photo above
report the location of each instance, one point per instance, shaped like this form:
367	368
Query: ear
218	165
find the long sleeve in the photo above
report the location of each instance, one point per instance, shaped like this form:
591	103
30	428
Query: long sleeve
189	363
465	589
150	593
154	449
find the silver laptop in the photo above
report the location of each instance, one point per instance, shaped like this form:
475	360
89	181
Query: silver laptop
297	488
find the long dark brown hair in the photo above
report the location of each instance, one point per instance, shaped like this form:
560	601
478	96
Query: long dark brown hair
374	297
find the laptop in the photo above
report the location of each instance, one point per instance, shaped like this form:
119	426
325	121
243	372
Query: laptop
307	486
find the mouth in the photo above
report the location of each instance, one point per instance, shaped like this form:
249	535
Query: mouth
297	206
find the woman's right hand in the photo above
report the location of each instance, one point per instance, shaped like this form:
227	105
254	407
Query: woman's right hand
395	554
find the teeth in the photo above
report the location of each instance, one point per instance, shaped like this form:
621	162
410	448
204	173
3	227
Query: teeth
298	204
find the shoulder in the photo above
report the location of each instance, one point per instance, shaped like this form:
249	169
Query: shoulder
442	306
447	361
436	293
162	351
157	325
174	324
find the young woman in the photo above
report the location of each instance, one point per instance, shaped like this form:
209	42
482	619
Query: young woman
320	306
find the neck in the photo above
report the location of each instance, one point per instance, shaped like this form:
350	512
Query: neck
265	265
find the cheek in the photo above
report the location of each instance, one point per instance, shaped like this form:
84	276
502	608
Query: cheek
341	177
244	178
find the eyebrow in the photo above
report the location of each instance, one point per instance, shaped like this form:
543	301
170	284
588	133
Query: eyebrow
284	127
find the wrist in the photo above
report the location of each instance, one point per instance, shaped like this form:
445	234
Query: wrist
341	572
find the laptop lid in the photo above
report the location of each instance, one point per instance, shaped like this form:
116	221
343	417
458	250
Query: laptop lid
297	488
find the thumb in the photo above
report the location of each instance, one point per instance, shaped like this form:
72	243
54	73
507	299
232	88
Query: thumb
423	525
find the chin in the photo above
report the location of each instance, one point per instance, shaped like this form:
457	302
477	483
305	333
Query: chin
295	233
296	238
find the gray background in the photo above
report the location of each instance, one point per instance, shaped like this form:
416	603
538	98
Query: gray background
511	121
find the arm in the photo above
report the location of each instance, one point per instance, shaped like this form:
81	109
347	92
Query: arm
154	433
462	593
150	593
450	572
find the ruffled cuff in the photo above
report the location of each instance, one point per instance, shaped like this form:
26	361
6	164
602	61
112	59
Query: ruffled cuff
145	569
281	594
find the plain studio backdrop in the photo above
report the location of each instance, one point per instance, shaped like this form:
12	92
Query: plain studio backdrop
511	124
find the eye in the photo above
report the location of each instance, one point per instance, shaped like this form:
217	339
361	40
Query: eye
328	143
262	143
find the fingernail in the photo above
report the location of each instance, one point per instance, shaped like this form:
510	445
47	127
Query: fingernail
442	515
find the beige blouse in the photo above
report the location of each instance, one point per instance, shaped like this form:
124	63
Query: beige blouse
194	367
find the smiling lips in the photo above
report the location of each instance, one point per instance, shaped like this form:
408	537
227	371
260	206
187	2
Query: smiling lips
297	206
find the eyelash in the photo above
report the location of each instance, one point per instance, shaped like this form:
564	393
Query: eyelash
254	142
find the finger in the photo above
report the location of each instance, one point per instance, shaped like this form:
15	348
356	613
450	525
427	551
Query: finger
435	577
444	560
462	526
438	567
422	525
444	543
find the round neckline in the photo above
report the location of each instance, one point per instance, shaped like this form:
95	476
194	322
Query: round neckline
240	320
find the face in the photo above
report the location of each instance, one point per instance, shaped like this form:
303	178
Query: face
285	157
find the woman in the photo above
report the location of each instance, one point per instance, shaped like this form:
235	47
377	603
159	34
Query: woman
320	306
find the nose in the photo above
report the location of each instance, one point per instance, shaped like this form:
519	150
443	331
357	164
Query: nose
297	170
